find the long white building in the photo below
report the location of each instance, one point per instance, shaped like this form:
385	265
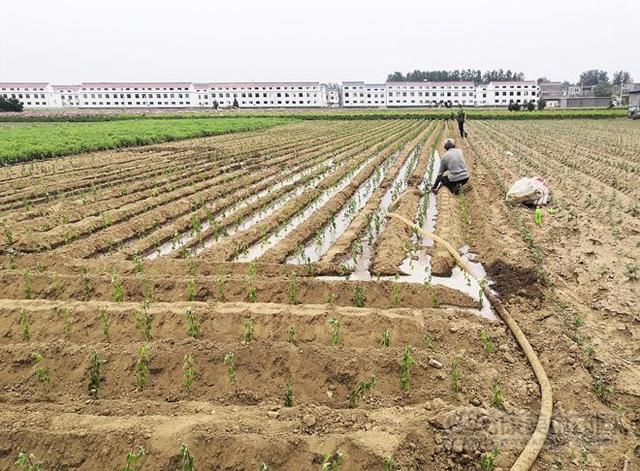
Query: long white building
175	95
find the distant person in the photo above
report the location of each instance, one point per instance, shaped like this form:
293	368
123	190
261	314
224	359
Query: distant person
453	172
460	118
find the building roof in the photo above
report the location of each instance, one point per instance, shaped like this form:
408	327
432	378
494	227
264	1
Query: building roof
134	84
23	84
262	84
466	83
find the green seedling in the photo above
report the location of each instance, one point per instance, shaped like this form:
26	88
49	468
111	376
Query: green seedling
359	393
95	377
385	341
25	322
144	320
293	288
117	292
41	372
187	462
251	289
332	461
334	323
388	464
358	296
142	367
28	462
103	317
455	375
137	264
405	368
287	396
249	330
263	467
488	459
188	372
577	321
487	342
133	457
192	290
87	284
496	396
427	341
230	362
221	281
395	292
28	283
193	325
66	320
291	334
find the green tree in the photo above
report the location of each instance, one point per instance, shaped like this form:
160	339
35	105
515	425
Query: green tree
593	77
603	89
10	104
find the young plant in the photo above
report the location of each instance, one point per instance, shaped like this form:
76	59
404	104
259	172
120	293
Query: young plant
192	290
263	467
334	323
142	367
332	461
358	393
496	396
103	317
137	264
287	396
25	325
293	288
385	341
487	342
488	459
251	289
95	376
143	321
133	457
249	330
427	341
41	372
187	462
28	462
188	372
230	362
221	281
455	375
117	292
66	320
28	283
388	464
358	296
405	368
395	292
193	325
87	284
291	334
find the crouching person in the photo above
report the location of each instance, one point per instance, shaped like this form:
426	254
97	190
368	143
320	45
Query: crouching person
453	172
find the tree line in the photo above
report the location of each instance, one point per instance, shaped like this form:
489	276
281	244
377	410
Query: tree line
476	76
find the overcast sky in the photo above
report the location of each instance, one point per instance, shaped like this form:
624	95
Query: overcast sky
69	41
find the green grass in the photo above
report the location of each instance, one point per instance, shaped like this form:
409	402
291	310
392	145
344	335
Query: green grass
315	114
21	142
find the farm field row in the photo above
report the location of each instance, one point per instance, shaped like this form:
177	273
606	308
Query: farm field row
246	295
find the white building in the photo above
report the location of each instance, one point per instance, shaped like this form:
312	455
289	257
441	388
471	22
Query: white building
174	95
421	94
262	94
31	94
502	93
360	94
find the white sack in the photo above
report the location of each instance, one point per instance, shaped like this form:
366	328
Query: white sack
532	190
